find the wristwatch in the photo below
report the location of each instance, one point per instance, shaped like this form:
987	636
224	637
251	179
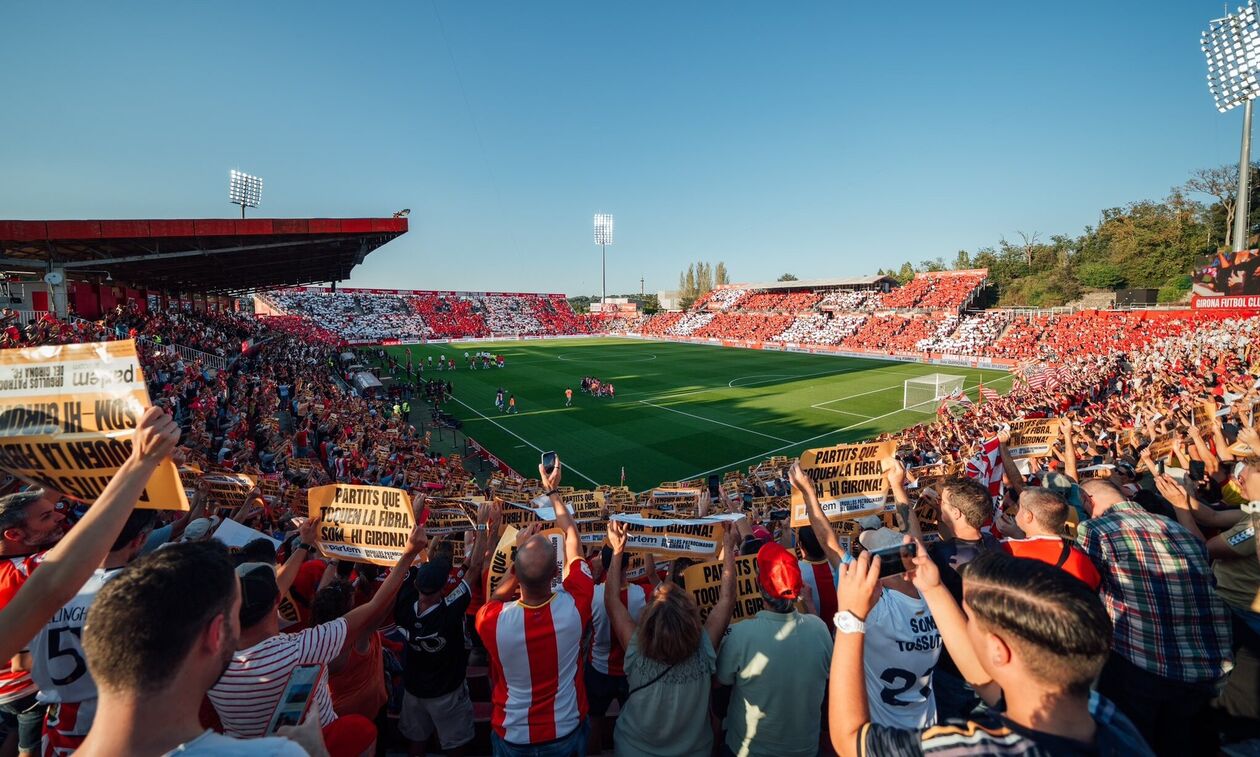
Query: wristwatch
847	622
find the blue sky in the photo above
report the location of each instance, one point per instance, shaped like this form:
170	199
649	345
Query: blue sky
824	139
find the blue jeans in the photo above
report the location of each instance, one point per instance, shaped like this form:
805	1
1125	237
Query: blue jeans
572	745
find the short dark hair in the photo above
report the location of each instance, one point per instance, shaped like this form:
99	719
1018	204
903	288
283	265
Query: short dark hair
1048	507
1061	626
257	550
969	496
144	621
331	602
809	543
136	523
13	507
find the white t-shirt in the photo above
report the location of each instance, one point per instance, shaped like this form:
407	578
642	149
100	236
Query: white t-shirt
211	743
247	694
58	664
900	649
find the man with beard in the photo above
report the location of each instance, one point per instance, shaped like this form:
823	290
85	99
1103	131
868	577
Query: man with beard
157	638
30	525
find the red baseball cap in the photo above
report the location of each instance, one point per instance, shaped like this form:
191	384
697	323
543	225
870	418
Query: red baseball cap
778	572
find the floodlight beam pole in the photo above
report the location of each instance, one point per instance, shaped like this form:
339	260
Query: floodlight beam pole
1244	174
603	276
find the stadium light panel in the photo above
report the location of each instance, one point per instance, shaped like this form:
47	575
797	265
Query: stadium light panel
603	229
1232	48
244	189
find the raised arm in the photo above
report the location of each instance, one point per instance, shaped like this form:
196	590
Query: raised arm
1069	450
68	565
817	521
618	616
368	614
847	710
572	541
302	552
720	616
1013	477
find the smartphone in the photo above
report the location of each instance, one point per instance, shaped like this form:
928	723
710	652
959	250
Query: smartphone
1160	467
1198	470
714	482
892	559
296	698
548	462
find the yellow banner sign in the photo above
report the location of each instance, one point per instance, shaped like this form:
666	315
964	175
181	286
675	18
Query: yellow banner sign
1033	437
68	414
848	480
362	523
704	581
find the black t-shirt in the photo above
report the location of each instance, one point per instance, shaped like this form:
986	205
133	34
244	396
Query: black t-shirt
952	554
437	658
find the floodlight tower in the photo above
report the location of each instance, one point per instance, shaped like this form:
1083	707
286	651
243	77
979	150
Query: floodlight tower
603	238
1232	47
244	190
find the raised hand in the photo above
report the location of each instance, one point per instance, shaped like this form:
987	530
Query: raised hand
617	536
859	585
156	436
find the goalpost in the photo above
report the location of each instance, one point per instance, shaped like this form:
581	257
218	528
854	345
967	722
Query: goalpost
923	394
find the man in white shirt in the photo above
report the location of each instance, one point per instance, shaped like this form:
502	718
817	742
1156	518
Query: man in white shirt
157	637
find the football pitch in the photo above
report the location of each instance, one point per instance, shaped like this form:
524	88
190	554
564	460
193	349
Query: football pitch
681	410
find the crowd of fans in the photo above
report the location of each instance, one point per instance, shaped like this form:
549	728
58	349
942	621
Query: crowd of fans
1102	597
820	329
972	335
936	291
747	326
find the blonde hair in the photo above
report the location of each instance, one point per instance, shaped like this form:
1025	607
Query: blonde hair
670	627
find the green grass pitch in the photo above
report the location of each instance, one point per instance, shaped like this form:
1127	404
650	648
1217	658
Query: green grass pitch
682	410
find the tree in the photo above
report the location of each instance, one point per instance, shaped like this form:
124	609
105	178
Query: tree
704	278
1101	276
788	277
720	276
905	274
689	288
962	261
1029	243
1222	183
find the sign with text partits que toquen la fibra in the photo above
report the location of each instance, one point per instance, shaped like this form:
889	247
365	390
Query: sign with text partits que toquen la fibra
68	414
848	480
362	523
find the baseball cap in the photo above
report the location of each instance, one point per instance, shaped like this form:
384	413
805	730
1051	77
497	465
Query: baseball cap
879	538
431	576
197	530
761	532
258	591
777	572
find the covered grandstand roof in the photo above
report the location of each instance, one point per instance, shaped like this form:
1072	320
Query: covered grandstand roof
856	281
213	255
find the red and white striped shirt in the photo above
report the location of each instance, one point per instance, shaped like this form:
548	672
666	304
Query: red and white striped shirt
607	656
247	694
535	656
821	580
14	571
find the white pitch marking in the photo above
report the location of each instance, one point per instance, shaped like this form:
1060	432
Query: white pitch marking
711	420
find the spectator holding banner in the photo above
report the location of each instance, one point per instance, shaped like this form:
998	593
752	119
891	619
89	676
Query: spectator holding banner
254	680
56	658
669	658
534	644
902	645
777	663
431	620
29	522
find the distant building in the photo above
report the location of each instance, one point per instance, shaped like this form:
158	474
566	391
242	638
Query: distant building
669	300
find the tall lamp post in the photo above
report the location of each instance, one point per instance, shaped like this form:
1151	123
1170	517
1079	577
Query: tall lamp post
244	190
603	238
1232	47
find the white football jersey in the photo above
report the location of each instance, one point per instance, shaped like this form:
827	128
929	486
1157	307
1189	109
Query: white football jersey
901	647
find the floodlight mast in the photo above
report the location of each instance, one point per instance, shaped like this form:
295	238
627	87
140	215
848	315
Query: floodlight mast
603	238
244	190
1232	47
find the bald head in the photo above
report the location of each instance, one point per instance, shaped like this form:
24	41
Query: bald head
1102	494
536	564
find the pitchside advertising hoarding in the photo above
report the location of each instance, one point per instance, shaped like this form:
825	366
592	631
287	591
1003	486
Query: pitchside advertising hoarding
1228	280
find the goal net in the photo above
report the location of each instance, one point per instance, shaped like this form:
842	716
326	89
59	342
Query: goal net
923	394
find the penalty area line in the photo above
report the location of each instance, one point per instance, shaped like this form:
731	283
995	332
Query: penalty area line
711	420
